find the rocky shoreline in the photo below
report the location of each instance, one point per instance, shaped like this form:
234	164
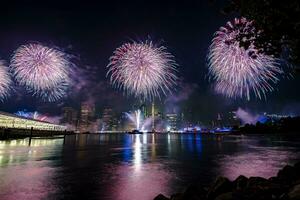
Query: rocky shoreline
284	186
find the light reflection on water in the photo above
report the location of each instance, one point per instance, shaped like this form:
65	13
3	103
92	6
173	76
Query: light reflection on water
123	167
25	172
140	179
264	162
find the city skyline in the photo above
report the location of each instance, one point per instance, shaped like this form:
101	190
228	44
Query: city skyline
149	100
92	49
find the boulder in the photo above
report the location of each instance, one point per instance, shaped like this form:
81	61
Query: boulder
252	194
225	196
297	170
177	196
297	166
194	192
221	185
257	182
240	182
294	194
265	188
161	197
287	175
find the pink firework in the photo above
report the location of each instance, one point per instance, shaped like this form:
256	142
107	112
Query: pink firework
142	69
5	83
237	65
42	70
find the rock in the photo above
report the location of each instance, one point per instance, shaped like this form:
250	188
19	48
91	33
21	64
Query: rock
253	193
258	187
222	185
194	192
294	194
240	182
297	170
285	186
257	181
287	174
273	179
177	196
225	196
161	197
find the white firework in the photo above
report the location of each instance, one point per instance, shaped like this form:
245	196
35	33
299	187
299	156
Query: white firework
142	69
6	82
42	70
237	65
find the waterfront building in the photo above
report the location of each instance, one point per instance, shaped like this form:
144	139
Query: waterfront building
172	121
107	119
69	116
87	114
233	119
8	120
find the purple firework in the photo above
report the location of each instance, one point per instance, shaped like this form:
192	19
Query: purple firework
142	69
237	65
42	70
5	83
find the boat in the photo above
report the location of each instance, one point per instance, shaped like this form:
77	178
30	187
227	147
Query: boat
135	132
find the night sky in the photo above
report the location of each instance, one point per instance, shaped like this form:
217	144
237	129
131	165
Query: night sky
92	30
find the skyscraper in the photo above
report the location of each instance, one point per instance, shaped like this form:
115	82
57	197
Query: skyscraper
87	114
69	115
107	118
70	118
172	121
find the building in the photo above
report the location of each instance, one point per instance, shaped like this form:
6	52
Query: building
8	120
172	121
219	122
145	110
69	116
87	115
107	119
233	120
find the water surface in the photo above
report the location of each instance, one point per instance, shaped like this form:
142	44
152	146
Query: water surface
129	167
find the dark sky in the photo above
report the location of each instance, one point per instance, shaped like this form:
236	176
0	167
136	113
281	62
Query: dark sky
91	30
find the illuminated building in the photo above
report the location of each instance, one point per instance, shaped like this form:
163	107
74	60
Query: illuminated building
171	121
69	116
144	110
8	120
107	118
87	114
233	119
277	116
219	122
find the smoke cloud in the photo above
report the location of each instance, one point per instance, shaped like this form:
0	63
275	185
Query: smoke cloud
246	117
173	101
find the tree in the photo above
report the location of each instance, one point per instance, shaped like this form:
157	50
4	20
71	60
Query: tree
280	22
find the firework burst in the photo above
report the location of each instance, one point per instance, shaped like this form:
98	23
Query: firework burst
142	69
237	65
42	70
5	83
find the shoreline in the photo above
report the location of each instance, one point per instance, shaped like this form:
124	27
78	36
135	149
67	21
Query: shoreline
14	133
285	186
22	134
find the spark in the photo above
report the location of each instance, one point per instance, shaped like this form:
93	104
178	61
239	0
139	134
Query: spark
44	71
6	82
142	69
237	65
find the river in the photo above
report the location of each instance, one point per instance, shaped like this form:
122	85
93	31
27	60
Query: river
134	167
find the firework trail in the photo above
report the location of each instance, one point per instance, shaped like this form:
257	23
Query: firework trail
5	83
42	70
142	69
237	65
